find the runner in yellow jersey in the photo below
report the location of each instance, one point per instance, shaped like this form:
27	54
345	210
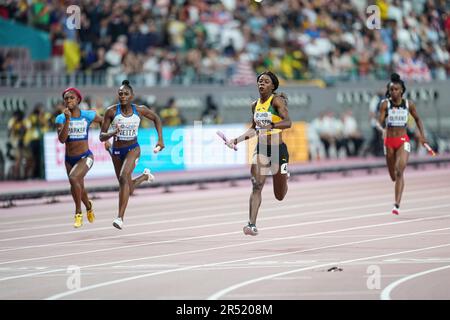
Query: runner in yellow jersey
271	157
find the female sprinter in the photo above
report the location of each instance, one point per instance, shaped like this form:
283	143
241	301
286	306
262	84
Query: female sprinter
73	128
270	117
395	111
124	119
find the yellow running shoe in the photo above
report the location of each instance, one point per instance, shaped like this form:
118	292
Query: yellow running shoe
90	213
78	220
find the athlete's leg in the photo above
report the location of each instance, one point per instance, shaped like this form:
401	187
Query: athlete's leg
138	180
280	172
280	185
390	161
125	180
402	156
259	172
76	176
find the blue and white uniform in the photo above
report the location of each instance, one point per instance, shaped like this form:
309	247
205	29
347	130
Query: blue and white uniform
128	130
78	131
78	127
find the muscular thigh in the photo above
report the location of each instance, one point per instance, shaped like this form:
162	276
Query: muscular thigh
81	168
130	161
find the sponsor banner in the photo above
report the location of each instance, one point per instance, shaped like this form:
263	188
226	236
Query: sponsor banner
203	148
296	140
171	158
54	152
191	147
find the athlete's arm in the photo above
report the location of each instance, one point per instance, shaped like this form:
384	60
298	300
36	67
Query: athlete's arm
415	115
98	119
250	133
279	103
63	129
382	116
151	115
104	135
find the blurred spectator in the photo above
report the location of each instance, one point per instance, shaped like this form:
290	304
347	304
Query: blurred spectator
2	165
15	145
100	65
210	114
7	68
352	136
330	131
297	39
57	37
151	68
375	146
37	124
58	108
170	114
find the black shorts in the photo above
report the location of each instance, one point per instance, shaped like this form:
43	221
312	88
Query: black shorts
281	157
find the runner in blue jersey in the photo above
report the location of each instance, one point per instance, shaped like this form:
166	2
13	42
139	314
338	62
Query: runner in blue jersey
73	129
124	119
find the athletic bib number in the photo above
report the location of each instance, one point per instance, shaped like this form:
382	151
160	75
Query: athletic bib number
89	162
397	117
407	146
77	129
263	118
283	168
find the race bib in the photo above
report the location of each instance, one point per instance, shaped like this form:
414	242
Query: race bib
78	129
127	131
407	146
283	168
263	118
397	117
89	162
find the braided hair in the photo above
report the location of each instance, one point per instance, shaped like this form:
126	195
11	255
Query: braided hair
126	83
395	78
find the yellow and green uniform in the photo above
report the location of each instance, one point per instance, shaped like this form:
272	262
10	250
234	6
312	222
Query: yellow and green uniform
265	114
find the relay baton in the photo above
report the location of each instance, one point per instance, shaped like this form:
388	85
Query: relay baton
222	135
429	149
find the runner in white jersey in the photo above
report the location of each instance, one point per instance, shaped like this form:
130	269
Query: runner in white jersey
394	113
124	119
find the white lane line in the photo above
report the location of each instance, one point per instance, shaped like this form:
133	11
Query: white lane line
386	293
232	246
175	209
222	234
324	189
277	207
229	289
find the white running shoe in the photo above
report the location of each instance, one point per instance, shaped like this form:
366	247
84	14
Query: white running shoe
250	230
151	177
395	211
118	223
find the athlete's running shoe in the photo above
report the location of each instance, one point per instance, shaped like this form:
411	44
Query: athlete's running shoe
118	223
250	229
395	211
78	220
151	177
90	212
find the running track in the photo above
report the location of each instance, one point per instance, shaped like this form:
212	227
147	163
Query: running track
189	244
